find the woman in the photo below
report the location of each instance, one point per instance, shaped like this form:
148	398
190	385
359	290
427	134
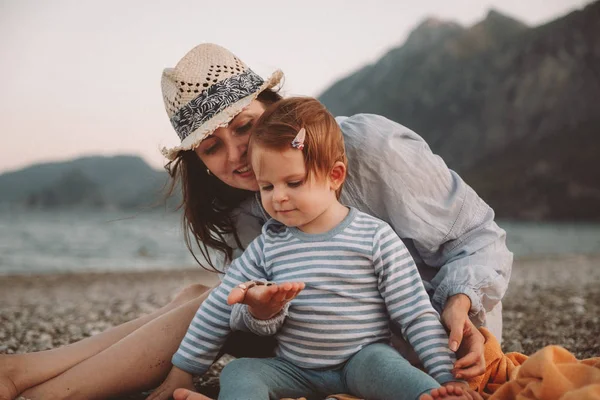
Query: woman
212	99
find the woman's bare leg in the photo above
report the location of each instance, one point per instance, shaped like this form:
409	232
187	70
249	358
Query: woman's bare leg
137	362
21	371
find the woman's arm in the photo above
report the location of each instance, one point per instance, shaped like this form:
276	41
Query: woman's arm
393	175
460	252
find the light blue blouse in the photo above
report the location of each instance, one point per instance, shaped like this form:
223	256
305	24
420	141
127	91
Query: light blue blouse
448	229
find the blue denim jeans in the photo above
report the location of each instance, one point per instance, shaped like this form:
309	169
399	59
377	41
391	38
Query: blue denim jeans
376	372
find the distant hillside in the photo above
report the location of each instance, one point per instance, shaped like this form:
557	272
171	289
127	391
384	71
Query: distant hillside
90	182
495	101
555	178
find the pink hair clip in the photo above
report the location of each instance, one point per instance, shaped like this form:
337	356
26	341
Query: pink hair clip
298	142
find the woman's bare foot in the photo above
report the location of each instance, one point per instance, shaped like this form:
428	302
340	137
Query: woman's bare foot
8	389
265	301
450	392
184	394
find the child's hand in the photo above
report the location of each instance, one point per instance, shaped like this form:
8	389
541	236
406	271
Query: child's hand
263	301
177	378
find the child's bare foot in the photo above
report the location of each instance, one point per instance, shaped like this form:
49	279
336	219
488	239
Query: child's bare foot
265	301
450	392
184	394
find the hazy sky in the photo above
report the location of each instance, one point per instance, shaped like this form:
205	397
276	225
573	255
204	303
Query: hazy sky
83	77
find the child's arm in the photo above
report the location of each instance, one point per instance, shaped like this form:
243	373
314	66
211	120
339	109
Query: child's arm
203	339
264	307
243	320
409	306
210	326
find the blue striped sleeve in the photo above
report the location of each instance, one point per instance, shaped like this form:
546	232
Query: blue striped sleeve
210	326
408	304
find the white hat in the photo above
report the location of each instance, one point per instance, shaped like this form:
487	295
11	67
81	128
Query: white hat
207	88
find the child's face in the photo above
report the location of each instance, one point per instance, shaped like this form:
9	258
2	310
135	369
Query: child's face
286	193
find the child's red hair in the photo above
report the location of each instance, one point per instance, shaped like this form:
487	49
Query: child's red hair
324	143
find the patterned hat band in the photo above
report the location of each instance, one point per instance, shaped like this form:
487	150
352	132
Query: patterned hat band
214	100
205	91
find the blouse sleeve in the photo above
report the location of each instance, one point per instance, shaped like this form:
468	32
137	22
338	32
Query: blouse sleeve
393	175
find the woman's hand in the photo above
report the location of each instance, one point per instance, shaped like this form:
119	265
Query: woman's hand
470	354
177	378
264	302
464	338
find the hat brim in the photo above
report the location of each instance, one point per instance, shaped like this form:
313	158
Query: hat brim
221	119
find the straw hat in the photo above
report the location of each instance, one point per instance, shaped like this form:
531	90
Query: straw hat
207	88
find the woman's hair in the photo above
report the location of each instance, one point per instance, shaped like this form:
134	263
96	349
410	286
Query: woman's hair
324	143
207	202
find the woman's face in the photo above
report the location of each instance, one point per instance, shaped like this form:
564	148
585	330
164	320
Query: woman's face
225	152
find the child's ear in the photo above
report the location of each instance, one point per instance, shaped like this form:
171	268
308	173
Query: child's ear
337	175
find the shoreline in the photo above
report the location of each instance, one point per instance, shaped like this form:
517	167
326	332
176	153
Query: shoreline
193	269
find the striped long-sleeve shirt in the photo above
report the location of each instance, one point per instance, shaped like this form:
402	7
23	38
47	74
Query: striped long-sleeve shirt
358	277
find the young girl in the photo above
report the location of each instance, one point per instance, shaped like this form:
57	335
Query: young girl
358	276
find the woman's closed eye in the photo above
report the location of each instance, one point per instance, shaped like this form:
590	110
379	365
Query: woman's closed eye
211	149
244	128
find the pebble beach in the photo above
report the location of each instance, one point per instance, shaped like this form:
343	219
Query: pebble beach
549	301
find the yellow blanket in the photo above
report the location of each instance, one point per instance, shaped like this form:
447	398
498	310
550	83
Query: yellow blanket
498	366
551	373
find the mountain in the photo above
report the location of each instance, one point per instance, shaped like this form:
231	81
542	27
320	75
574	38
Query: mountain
494	96
73	189
89	182
555	178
